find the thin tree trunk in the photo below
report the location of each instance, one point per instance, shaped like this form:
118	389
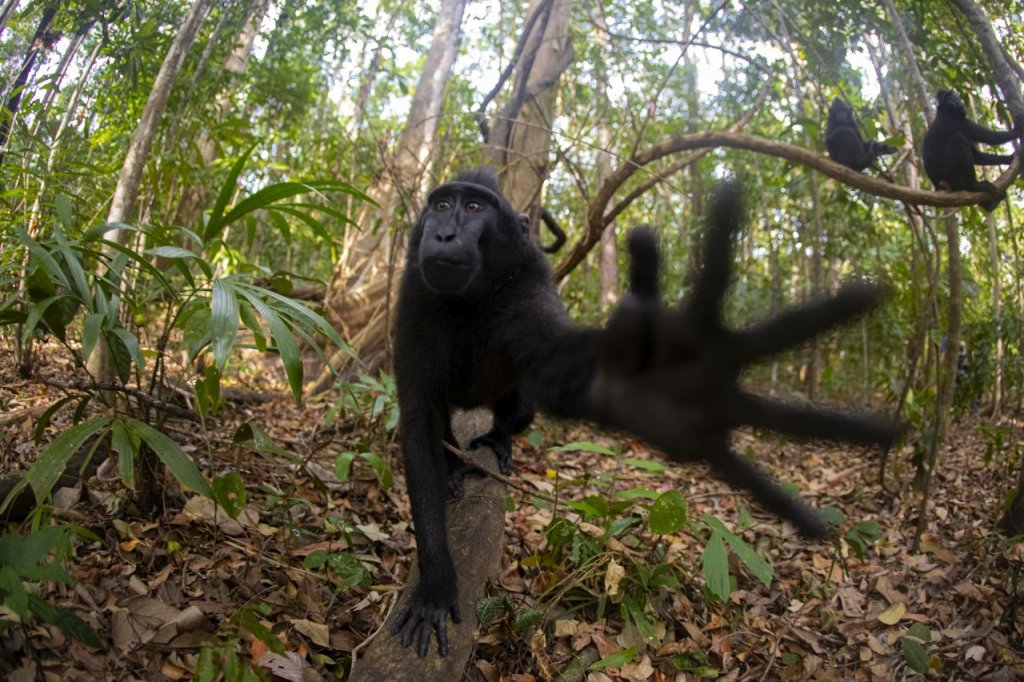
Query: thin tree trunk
997	314
5	14
947	383
816	278
58	78
126	191
908	51
1003	71
358	300
520	140
42	40
608	263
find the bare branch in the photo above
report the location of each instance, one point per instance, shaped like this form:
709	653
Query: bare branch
597	218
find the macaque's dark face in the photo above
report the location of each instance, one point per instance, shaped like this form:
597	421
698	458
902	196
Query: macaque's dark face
461	223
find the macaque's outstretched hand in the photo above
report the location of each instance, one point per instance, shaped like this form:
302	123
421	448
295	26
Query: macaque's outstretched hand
670	375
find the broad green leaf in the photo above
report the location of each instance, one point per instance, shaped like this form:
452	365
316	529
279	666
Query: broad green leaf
216	221
51	462
229	492
668	513
615	660
286	346
171	454
223	321
92	327
126	448
651	465
488	610
584	446
380	468
171	252
67	621
62	206
343	465
716	567
754	562
12	592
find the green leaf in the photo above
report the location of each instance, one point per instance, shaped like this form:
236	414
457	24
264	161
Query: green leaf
223	321
615	660
286	346
668	513
180	464
229	492
584	446
119	355
45	417
51	462
216	221
488	610
62	205
754	562
380	468
915	655
12	592
716	567
651	465
171	252
67	621
126	448
92	326
249	619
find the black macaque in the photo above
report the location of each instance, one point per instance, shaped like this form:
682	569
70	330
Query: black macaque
845	143
480	323
950	154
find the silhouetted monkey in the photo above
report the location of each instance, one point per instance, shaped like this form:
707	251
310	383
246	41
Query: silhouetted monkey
950	154
480	323
845	143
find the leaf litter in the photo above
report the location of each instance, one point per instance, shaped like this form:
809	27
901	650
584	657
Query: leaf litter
157	590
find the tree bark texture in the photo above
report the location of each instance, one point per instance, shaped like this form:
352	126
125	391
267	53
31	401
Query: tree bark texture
520	134
42	40
126	191
358	300
476	526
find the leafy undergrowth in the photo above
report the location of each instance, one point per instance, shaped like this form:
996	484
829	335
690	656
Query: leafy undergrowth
313	563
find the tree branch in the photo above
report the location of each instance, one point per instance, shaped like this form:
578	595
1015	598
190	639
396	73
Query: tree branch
597	218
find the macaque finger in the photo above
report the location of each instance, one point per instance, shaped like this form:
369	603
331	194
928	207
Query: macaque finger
800	323
713	280
743	474
643	263
804	423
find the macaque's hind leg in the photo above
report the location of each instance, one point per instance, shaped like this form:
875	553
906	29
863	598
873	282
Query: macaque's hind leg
512	414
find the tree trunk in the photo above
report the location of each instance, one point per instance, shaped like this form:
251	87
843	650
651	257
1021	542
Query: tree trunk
947	382
5	14
1005	77
908	50
813	367
42	40
520	135
358	300
608	263
997	314
126	191
476	525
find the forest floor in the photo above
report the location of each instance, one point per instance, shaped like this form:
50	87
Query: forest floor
155	590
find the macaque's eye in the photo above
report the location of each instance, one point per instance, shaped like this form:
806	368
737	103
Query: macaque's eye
474	206
442	205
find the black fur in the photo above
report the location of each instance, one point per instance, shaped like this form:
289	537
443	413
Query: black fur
493	332
950	153
845	143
